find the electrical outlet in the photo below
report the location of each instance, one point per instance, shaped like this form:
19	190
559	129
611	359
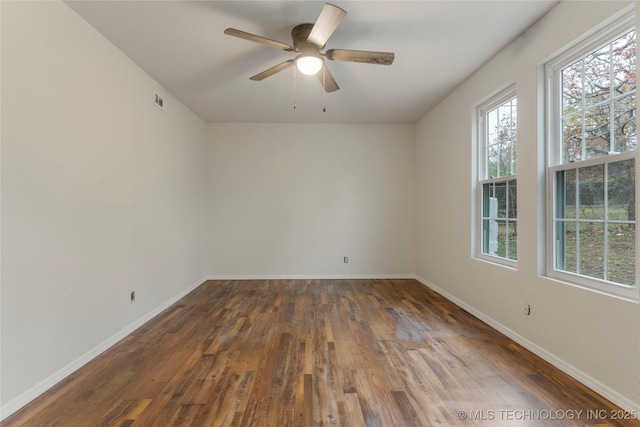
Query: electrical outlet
133	296
527	309
346	260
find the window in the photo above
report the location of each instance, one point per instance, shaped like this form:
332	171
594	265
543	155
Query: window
497	136
591	162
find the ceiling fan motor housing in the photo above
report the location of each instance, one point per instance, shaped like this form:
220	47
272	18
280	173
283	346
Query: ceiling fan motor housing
299	35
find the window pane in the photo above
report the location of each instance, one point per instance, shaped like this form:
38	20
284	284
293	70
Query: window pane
505	130
591	192
622	253
489	237
493	159
507	124
596	132
512	240
513	137
597	77
499	225
507	155
625	124
501	139
512	199
591	249
502	239
572	88
572	139
485	200
566	203
492	127
567	248
621	191
624	63
497	200
492	144
489	224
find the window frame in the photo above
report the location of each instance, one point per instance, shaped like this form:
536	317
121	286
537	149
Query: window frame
490	103
615	28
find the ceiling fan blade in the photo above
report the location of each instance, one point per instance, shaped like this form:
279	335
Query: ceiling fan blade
326	79
326	24
271	71
252	37
383	58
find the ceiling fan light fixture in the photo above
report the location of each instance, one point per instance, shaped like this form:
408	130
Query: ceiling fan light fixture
308	64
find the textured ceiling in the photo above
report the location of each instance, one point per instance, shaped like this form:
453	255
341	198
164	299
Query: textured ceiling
437	45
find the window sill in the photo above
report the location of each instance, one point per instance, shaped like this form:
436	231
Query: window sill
495	260
623	292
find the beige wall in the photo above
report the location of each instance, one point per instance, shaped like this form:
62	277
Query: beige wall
295	199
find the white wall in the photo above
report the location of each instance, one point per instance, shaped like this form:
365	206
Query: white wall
594	337
294	199
102	193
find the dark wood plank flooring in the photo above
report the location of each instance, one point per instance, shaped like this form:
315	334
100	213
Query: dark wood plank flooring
317	353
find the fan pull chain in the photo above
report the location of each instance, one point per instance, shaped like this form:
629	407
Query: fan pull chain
324	91
295	84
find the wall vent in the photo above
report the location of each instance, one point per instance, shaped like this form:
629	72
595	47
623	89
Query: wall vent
160	102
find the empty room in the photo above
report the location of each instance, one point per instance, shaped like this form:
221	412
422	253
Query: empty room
363	213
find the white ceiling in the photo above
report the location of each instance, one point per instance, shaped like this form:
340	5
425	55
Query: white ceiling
437	45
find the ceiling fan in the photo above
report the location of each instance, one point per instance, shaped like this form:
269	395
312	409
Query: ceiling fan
308	41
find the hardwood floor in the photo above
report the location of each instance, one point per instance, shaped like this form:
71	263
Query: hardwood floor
317	353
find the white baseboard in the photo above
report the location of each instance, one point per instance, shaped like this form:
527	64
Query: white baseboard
22	400
567	368
310	277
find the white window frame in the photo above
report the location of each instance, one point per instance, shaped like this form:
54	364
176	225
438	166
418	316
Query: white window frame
490	103
617	27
